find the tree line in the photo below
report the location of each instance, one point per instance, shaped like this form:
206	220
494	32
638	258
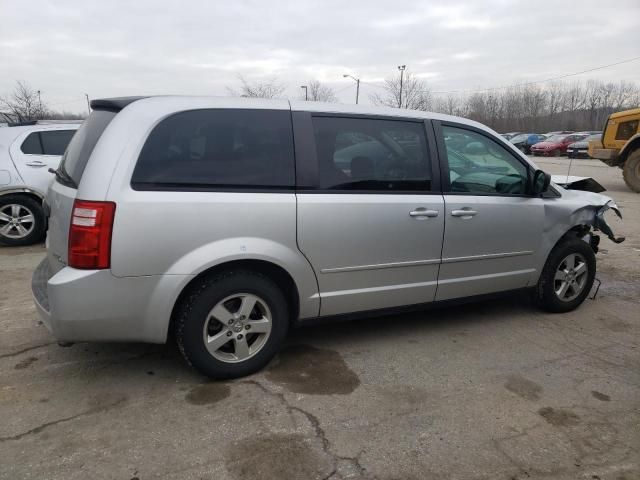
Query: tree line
25	104
527	108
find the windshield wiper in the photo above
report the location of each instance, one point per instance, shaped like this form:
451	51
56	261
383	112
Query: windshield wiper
64	177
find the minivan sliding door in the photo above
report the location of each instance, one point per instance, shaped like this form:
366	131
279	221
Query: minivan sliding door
370	218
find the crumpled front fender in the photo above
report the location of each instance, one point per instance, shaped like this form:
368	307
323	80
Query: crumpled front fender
601	224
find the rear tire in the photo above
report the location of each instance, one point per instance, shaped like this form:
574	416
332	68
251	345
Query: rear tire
22	220
631	171
562	287
221	326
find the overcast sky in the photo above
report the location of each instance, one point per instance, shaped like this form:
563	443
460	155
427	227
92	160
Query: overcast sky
111	48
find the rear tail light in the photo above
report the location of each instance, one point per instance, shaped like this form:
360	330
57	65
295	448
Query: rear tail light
90	234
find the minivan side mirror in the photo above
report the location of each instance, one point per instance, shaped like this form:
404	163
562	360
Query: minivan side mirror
541	181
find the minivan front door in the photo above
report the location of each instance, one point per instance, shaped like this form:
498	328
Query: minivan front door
370	223
493	228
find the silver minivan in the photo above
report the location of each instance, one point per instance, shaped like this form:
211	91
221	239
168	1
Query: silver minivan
223	221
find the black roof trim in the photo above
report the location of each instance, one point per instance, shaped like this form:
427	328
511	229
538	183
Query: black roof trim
22	124
113	104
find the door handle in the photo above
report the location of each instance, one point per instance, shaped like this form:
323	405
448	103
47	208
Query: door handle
464	213
36	163
423	212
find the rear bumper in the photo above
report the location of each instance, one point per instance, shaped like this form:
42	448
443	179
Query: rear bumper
95	306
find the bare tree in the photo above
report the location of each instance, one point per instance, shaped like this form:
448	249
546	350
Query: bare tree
268	88
558	106
24	103
415	93
316	92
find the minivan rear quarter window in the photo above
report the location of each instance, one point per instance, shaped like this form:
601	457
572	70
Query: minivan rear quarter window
212	148
79	150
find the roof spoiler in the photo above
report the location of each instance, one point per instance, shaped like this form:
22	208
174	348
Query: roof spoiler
113	104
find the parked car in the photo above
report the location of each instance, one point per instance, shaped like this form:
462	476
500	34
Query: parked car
224	221
27	152
555	145
559	132
525	141
580	149
510	135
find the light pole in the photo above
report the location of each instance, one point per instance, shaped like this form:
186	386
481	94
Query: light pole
306	92
88	103
401	68
357	85
39	105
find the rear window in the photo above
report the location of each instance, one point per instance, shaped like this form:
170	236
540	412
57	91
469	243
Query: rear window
218	148
77	154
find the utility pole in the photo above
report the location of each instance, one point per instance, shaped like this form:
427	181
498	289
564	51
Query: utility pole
401	68
39	105
357	85
88	103
306	92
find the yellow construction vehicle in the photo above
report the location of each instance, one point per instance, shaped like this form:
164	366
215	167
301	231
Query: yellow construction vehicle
620	146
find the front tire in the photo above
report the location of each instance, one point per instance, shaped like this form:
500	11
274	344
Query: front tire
567	276
232	324
22	220
631	171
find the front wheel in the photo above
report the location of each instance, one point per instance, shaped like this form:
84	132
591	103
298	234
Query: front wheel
232	324
567	277
631	171
22	220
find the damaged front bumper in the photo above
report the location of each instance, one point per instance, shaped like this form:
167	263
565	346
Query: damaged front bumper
601	224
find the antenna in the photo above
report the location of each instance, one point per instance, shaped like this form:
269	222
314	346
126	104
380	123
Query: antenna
569	169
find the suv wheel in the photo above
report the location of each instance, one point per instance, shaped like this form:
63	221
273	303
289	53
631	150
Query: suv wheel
22	220
232	324
631	171
567	277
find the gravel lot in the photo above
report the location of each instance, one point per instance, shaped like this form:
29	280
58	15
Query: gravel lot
495	390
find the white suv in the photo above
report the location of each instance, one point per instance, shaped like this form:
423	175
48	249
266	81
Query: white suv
27	152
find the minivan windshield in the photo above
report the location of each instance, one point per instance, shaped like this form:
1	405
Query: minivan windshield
79	150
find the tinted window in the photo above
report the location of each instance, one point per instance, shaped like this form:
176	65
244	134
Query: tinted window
32	145
364	154
219	148
626	130
54	142
77	154
479	165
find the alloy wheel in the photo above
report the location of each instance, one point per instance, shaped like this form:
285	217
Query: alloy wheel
571	277
237	328
16	221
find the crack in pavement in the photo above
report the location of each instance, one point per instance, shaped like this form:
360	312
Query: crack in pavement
319	431
15	354
40	428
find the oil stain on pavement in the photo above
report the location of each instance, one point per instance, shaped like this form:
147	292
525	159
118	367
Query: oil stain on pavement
603	397
523	387
314	371
559	417
26	363
273	456
208	393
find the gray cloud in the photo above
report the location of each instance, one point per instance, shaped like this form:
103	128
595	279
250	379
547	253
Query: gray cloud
198	47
